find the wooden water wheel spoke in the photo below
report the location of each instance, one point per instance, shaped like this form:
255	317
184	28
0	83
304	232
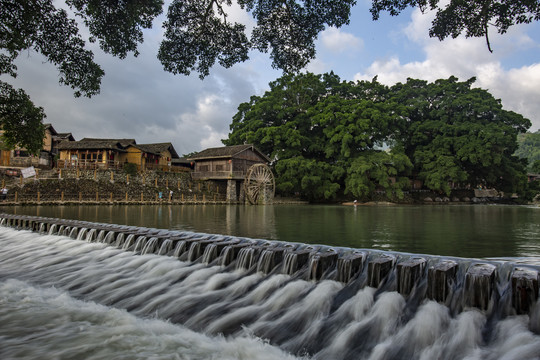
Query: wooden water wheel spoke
259	183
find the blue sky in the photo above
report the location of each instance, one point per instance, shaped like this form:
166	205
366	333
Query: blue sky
139	100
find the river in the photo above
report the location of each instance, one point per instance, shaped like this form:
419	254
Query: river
479	231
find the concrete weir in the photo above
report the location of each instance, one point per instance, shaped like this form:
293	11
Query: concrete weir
456	282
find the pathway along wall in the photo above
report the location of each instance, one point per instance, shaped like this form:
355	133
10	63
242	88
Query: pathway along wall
499	288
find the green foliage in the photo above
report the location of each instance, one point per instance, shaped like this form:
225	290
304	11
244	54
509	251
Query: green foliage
378	170
472	17
529	148
454	133
40	26
329	138
20	120
130	169
535	167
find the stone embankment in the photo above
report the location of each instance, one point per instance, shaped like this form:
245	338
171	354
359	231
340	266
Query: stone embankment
110	186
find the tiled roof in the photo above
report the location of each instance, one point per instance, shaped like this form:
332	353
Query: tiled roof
67	136
96	144
157	148
226	152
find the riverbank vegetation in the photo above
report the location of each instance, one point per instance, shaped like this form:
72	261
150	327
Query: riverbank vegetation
330	139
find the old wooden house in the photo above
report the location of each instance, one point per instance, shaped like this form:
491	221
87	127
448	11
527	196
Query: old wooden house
91	153
157	156
243	168
19	157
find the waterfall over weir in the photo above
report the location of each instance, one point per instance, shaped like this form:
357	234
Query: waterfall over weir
310	301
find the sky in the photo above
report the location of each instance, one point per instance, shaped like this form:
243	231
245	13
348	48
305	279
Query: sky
140	100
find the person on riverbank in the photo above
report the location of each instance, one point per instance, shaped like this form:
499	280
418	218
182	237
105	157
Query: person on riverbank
170	195
4	193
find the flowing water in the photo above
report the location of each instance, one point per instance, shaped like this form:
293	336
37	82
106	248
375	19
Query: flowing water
65	298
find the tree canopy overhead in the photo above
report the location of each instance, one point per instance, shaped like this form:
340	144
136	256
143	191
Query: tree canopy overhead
199	33
473	18
330	138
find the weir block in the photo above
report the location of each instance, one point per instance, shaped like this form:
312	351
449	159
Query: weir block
349	265
441	280
409	273
524	289
320	263
269	258
479	283
379	268
295	260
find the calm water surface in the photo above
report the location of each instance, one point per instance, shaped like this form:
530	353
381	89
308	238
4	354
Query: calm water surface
465	231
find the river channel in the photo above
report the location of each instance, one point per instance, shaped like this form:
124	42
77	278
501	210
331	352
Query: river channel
479	231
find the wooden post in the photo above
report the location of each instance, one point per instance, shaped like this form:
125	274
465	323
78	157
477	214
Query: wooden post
80	196
62	197
199	186
167	183
110	197
16	196
37	174
21	179
179	183
214	197
38	196
127	179
3	183
142	196
97	196
126	195
143	180
95	174
195	198
182	197
60	174
112	175
78	174
155	181
204	198
156	197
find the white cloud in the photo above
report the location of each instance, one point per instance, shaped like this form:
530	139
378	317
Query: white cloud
339	41
467	57
317	66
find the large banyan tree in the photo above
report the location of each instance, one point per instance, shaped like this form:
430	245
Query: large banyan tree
329	138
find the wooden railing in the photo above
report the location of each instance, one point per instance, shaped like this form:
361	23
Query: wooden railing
117	165
88	164
197	175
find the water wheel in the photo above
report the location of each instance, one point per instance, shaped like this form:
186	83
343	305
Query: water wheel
259	184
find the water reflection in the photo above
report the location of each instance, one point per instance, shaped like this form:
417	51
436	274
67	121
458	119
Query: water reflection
466	231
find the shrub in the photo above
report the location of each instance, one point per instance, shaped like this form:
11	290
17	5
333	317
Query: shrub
130	169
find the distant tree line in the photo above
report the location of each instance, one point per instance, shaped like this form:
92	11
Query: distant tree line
330	138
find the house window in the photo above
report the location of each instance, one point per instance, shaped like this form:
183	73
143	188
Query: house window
204	168
20	153
219	168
